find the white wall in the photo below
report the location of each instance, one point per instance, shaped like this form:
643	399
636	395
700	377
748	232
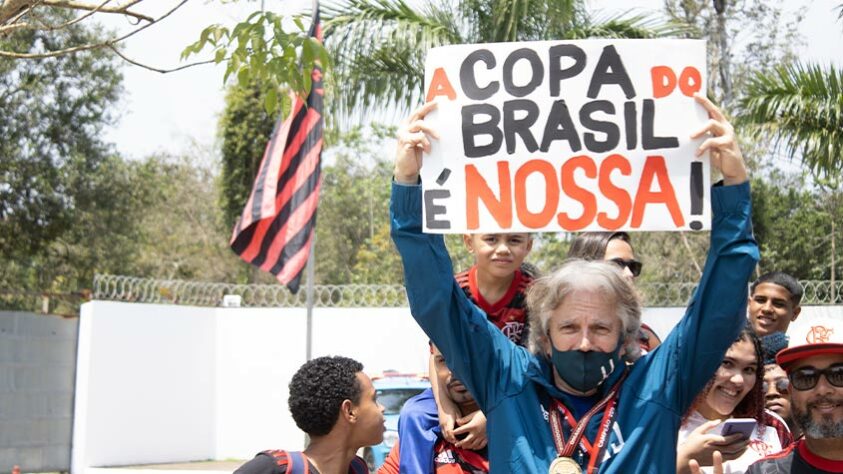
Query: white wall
160	383
163	383
258	351
145	384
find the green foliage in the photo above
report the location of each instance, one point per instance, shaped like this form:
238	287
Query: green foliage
801	107
259	51
52	112
379	45
245	128
792	225
352	228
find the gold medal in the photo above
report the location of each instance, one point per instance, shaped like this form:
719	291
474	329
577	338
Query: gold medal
564	465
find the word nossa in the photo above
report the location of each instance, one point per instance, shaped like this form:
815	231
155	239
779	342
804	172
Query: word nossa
507	198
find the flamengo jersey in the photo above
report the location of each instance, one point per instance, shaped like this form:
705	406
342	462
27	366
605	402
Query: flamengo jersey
796	459
449	459
291	462
510	313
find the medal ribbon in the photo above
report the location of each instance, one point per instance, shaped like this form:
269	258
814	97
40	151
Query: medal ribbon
566	449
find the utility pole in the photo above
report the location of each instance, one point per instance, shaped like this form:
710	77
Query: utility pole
833	263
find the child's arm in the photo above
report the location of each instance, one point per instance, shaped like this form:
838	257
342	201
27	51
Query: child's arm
473	426
448	410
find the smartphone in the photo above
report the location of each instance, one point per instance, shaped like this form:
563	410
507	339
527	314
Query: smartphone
744	426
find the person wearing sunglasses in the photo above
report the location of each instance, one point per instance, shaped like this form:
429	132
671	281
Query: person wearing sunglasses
570	402
815	371
615	247
776	386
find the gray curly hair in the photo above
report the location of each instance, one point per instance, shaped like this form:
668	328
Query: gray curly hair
548	292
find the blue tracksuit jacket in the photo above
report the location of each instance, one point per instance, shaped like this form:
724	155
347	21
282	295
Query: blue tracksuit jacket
510	383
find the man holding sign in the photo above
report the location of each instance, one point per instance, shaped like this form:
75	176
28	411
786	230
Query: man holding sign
580	399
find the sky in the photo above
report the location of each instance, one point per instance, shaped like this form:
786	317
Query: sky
177	112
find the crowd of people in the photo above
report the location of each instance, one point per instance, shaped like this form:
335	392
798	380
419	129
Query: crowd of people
556	373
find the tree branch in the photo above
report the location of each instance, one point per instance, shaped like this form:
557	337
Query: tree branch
84	47
121	10
11	8
162	71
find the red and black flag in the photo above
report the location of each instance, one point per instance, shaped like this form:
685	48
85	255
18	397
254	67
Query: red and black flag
275	231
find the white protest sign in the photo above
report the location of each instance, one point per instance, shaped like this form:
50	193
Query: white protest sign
566	136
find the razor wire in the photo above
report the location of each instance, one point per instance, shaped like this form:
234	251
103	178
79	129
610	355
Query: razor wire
195	293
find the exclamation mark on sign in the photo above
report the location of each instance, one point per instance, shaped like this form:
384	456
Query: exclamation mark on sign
696	194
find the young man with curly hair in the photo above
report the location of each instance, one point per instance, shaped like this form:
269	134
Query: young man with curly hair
335	403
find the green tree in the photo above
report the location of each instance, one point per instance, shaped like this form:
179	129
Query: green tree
260	50
245	129
352	228
378	46
52	113
792	222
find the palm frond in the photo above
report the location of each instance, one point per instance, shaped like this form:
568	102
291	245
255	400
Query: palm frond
392	74
802	107
627	25
375	43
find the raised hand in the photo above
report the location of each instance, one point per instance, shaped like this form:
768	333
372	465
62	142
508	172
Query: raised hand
725	153
413	139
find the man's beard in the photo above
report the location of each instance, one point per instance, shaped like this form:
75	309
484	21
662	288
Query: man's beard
826	428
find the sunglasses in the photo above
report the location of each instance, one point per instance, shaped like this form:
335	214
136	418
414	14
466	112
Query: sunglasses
634	266
782	386
807	378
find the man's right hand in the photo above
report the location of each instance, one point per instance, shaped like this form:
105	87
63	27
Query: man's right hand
413	139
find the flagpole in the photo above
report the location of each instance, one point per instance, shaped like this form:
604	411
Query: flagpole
311	260
310	272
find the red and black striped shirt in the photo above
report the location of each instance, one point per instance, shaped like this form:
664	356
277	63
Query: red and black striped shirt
510	313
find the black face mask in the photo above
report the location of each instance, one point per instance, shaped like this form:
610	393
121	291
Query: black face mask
585	371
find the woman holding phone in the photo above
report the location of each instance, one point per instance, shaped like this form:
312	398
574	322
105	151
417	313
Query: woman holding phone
735	391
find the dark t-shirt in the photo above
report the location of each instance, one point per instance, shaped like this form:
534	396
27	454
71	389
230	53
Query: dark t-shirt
796	459
277	462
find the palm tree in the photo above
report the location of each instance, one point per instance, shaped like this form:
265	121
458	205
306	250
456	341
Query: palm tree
801	107
379	46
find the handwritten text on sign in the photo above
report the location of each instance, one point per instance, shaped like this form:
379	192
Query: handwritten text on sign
566	136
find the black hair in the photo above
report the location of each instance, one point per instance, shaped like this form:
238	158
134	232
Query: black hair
771	344
318	389
782	279
592	245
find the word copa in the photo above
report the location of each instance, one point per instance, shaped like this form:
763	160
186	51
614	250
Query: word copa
517	117
508	199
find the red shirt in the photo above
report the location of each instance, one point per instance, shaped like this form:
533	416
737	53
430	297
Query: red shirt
447	459
510	312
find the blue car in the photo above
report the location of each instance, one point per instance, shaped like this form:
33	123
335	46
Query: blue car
393	390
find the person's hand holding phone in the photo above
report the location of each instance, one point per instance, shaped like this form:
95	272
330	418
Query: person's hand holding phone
702	443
